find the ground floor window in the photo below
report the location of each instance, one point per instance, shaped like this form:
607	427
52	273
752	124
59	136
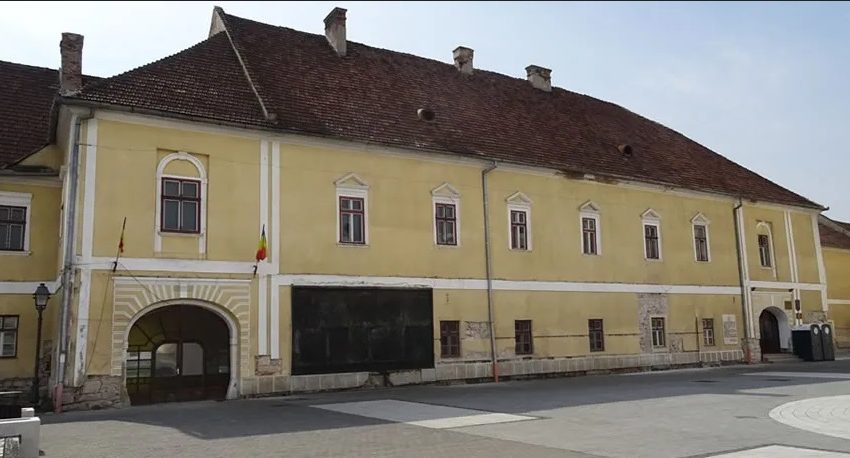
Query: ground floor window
449	339
522	335
8	336
708	331
596	334
658	333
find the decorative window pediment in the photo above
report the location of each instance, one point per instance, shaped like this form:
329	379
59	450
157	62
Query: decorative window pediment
589	207
445	190
351	181
699	218
650	214
518	198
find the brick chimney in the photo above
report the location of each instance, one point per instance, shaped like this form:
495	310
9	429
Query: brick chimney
71	71
463	59
539	77
335	30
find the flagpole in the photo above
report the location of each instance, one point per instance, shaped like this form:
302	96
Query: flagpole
120	245
261	250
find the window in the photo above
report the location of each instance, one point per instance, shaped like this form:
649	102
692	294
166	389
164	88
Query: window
352	220
658	334
138	363
519	230
764	250
701	242
588	235
181	205
522	336
650	236
596	334
445	218
449	339
708	331
8	336
13	225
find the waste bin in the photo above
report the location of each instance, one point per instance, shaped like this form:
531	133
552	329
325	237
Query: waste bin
827	343
807	342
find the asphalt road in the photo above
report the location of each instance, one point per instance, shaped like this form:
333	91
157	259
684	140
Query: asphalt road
700	412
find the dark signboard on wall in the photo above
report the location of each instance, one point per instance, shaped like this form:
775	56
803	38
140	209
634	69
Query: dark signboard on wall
337	329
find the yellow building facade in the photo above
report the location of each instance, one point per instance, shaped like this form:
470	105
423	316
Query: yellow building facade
462	267
835	237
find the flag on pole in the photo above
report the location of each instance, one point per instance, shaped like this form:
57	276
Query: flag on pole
261	249
121	240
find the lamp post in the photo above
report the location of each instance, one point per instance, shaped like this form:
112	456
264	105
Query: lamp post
40	297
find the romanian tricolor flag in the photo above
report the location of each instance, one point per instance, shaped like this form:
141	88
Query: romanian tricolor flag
121	240
261	249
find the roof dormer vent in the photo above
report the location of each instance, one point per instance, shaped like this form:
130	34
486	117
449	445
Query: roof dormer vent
426	114
626	149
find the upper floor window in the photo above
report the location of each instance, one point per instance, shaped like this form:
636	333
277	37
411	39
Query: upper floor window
181	205
352	197
8	336
764	250
446	206
519	221
589	213
445	218
651	235
700	226
14	222
352	220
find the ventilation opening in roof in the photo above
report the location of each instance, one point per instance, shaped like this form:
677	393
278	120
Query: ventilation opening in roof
426	114
626	149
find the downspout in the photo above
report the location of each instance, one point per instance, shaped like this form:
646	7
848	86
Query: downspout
489	269
744	305
68	268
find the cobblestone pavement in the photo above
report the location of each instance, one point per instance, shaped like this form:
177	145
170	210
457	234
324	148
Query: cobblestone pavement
705	412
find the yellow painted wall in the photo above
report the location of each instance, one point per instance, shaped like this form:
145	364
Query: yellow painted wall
22	365
40	264
781	270
232	165
837	263
804	244
51	156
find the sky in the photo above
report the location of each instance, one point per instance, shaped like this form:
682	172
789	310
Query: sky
764	84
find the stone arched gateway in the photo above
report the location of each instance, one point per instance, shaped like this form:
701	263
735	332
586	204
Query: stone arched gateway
774	330
228	299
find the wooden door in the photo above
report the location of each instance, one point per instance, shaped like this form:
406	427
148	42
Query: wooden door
769	333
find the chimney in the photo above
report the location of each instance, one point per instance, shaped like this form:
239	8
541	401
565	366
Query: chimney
335	30
71	71
539	77
463	59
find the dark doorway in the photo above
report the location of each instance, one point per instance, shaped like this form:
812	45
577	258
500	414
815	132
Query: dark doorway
361	329
178	353
769	332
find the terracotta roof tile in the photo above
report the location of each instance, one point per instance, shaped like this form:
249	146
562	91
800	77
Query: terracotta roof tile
831	237
372	95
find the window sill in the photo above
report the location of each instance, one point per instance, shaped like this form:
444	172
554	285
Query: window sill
440	246
520	250
591	255
9	357
653	260
352	245
15	253
179	234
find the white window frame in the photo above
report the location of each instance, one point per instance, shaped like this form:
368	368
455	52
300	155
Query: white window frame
19	199
700	220
651	218
353	186
770	245
202	177
589	210
652	332
445	194
519	202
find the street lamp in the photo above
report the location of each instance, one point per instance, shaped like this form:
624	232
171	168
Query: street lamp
40	297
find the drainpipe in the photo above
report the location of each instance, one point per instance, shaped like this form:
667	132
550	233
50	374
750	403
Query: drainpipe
744	303
68	268
489	269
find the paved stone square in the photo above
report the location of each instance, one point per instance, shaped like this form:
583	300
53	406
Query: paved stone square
776	411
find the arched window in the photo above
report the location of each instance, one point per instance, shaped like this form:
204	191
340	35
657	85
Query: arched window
589	226
651	235
702	250
519	221
181	183
764	239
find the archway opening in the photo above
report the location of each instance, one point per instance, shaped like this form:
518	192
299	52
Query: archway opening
178	353
774	331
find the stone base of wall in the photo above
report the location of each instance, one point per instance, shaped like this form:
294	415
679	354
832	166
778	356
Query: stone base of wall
752	347
98	392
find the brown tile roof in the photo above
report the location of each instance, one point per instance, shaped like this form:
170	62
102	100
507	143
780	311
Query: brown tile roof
26	102
830	236
372	95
